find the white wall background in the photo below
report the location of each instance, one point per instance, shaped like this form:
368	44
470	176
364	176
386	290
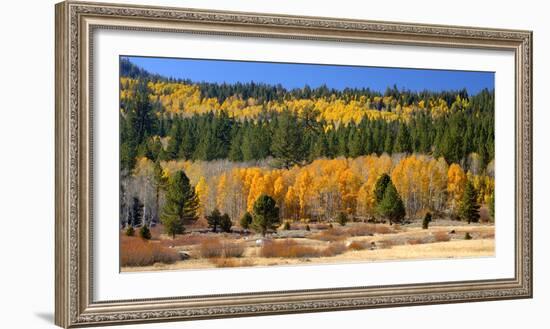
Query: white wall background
27	162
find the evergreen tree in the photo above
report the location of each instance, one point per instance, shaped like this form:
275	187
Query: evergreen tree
369	143
356	147
451	143
342	218
247	148
214	219
186	148
427	220
181	204
235	154
319	148
377	139
143	150
492	205
160	182
262	136
266	214
424	129
128	154
136	212
250	146
155	148
130	231
137	124
342	145
403	141
226	223
221	126
145	233
388	143
246	220
144	124
287	143
380	187
469	208
332	143
391	206
174	141
286	225
206	147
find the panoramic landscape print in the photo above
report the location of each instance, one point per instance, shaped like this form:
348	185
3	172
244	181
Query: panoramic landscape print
235	163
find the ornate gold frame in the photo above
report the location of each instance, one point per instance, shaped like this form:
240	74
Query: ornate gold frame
76	22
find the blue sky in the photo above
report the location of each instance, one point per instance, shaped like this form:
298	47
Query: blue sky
298	75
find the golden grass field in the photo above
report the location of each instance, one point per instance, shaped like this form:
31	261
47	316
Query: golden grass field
356	242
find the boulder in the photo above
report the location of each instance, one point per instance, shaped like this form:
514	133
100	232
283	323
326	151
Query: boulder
184	255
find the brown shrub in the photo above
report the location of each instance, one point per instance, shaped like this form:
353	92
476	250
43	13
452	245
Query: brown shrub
487	235
200	223
230	262
333	249
339	234
287	249
441	236
139	252
332	234
210	248
361	230
224	262
484	215
369	229
291	249
214	247
312	226
358	245
385	229
415	241
386	244
232	249
320	226
156	231
184	240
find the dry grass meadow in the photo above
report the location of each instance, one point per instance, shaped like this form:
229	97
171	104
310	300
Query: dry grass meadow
322	244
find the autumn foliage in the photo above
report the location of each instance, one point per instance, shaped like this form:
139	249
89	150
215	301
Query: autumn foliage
325	187
140	252
193	149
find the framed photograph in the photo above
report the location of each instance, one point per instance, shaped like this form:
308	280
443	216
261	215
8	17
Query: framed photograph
219	164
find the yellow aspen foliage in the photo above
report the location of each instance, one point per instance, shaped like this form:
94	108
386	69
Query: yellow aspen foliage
456	181
291	205
484	186
144	167
186	99
365	200
325	187
279	188
349	184
405	176
221	191
202	191
302	187
260	185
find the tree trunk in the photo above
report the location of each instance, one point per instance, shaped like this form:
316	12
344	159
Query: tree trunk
157	215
